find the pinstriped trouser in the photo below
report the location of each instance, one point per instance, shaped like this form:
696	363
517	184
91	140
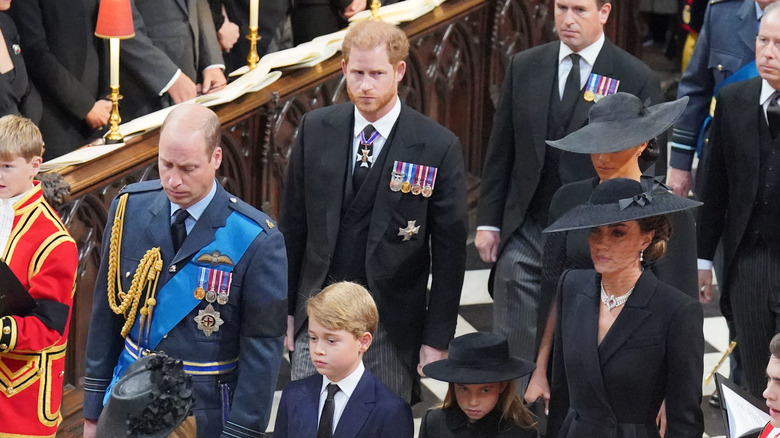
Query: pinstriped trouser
754	291
516	292
382	358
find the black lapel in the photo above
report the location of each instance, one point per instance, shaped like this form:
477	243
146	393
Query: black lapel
585	334
540	82
631	317
404	145
332	172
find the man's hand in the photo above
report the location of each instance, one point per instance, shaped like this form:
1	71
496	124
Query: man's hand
98	116
289	338
705	285
429	354
353	8
680	181
538	386
213	80
90	428
183	89
487	243
228	34
660	419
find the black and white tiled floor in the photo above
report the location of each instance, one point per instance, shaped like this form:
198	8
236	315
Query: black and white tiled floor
475	314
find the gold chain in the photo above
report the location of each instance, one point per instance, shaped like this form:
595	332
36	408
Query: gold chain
146	274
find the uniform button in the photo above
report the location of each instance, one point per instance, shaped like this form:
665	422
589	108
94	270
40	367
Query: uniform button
11	390
6	330
172	269
62	373
720	67
127	274
233	200
3	346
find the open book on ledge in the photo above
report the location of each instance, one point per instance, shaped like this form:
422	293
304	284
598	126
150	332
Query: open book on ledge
743	414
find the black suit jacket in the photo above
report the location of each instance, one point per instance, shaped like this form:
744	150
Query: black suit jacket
57	36
653	352
373	411
731	171
397	270
516	151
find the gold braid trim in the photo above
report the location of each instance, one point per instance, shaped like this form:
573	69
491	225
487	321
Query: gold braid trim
147	274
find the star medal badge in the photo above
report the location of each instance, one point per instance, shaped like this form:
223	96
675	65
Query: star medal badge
200	293
208	320
411	229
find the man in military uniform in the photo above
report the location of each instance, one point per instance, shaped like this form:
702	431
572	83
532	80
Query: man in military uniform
210	288
725	45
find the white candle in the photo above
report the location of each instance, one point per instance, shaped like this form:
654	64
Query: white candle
254	5
114	55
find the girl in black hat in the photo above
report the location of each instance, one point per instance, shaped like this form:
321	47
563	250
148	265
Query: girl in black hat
482	400
624	341
620	138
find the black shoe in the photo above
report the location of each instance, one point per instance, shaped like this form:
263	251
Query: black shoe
714	400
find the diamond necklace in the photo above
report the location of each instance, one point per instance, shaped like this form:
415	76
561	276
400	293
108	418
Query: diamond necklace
611	301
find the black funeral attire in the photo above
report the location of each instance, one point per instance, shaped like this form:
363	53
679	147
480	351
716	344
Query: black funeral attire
451	422
66	63
17	94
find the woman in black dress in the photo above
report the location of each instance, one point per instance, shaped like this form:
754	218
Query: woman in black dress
621	129
17	95
625	342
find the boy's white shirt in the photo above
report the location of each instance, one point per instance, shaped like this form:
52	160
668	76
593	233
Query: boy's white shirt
347	386
7	216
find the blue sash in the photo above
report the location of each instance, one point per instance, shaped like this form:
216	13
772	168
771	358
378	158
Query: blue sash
175	299
748	71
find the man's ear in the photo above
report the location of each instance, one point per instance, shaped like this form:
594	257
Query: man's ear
400	71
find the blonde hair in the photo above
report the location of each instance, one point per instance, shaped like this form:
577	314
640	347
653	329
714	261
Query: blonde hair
369	34
19	137
512	408
344	306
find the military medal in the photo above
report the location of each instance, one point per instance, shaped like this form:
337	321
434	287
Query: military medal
224	292
208	320
200	293
211	293
417	186
365	154
599	86
430	180
686	14
397	177
406	187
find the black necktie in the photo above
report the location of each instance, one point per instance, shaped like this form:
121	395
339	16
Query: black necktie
571	90
178	229
365	156
325	429
773	114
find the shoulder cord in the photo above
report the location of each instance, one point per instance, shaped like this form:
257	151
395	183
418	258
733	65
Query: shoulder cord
147	274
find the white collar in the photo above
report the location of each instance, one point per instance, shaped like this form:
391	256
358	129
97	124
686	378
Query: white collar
348	384
196	210
766	92
383	126
589	54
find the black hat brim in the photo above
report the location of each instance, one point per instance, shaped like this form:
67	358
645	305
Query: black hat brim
448	371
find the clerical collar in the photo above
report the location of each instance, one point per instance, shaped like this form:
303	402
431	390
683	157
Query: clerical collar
384	125
589	54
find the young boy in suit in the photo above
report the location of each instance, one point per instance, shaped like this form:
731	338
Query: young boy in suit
344	399
42	255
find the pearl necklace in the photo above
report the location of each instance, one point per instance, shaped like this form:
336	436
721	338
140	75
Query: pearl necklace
611	301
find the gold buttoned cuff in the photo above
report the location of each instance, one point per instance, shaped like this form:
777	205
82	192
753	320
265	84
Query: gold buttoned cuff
8	333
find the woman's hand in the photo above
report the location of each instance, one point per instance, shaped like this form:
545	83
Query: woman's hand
538	386
660	420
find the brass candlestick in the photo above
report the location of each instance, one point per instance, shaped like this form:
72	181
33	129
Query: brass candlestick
114	136
252	58
375	5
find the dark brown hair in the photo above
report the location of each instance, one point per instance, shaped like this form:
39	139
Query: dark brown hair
663	230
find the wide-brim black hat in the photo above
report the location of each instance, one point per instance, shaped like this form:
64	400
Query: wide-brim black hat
621	121
480	357
151	400
619	200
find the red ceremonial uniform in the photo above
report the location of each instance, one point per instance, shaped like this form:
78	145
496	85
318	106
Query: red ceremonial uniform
769	431
32	348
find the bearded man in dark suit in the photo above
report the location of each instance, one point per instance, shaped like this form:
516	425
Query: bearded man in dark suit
544	98
375	194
